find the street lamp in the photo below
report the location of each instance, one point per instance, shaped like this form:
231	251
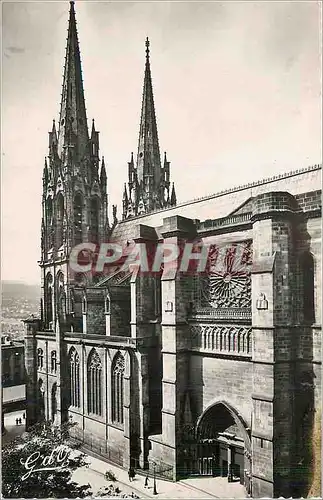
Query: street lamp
155	489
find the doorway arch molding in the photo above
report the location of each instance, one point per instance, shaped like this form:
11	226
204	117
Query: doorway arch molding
237	417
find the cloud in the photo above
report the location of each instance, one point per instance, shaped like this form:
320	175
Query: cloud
237	93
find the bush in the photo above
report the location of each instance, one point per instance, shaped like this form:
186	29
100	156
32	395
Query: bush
37	480
110	476
115	492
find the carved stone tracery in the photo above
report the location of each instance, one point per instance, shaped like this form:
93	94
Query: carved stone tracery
228	280
222	338
95	361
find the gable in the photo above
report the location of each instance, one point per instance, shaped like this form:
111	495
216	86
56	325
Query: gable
244	208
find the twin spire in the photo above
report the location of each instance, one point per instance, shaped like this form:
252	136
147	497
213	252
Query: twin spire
149	182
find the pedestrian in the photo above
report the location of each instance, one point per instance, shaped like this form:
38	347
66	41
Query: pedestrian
20	421
130	475
24	416
16	421
146	481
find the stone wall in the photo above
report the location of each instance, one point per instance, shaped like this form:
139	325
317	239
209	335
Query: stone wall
214	379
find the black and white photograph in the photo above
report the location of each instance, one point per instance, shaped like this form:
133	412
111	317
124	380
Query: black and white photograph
161	249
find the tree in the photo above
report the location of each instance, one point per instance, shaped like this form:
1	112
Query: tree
40	464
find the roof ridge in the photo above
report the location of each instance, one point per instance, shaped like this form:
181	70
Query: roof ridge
240	187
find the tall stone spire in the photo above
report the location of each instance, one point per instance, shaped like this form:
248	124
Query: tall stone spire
148	158
73	129
148	181
75	198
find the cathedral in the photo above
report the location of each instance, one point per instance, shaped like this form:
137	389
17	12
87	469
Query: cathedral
191	374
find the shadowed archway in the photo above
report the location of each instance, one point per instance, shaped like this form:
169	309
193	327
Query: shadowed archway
223	445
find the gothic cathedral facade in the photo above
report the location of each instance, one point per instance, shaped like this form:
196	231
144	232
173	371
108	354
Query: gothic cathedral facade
211	374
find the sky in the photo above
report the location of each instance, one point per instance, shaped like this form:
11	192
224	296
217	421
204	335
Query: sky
237	89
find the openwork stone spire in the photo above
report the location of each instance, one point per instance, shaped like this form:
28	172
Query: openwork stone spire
75	197
149	182
148	158
73	130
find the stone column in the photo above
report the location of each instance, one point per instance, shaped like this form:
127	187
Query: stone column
176	290
142	326
272	356
230	470
48	395
107	313
127	417
84	314
144	410
31	326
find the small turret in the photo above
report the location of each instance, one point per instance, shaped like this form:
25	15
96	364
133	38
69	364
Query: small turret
125	202
173	200
45	173
125	194
130	172
166	170
103	176
94	142
52	138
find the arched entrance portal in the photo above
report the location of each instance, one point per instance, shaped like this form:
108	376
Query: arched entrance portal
223	446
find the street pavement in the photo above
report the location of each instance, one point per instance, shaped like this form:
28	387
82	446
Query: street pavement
11	429
193	488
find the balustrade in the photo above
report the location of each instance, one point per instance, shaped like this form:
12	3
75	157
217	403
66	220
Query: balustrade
224	339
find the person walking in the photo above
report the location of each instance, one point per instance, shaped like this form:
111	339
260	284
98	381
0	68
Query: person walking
130	475
17	421
24	416
147	481
20	421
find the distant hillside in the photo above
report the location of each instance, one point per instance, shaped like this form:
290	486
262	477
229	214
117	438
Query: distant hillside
18	302
15	289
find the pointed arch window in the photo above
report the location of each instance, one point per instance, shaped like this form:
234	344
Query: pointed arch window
40	358
53	361
118	367
307	264
61	304
48	300
61	297
94	219
49	211
49	223
78	217
94	384
74	365
60	220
